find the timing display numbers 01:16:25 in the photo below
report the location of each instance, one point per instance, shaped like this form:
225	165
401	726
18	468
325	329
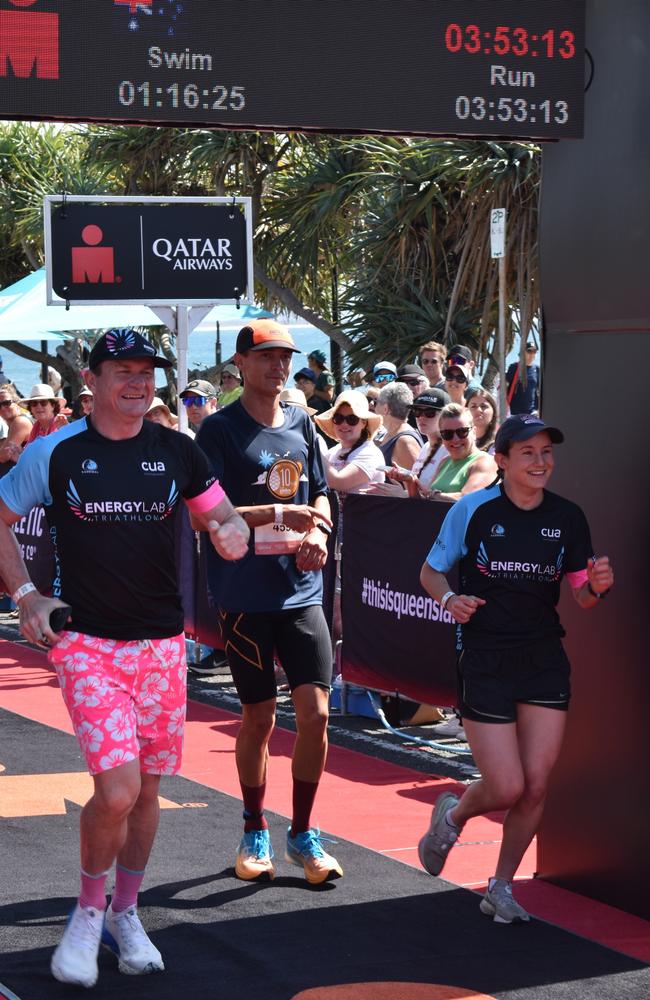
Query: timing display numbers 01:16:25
177	95
506	109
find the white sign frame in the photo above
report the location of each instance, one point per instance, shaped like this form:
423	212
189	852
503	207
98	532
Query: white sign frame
58	199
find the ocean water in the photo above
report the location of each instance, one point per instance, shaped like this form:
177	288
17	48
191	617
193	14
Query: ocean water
201	353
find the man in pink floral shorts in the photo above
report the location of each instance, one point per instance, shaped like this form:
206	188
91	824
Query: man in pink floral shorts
111	485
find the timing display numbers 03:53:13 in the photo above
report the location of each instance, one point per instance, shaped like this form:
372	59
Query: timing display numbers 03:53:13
506	41
517	109
189	96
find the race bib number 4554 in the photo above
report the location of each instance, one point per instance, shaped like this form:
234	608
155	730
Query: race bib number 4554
276	540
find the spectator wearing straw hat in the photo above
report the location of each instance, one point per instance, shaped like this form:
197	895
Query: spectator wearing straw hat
84	402
355	461
159	413
231	385
46	410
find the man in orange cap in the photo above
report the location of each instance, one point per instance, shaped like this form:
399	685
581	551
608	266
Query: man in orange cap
266	455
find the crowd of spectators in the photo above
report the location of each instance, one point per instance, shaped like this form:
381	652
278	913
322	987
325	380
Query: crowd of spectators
425	429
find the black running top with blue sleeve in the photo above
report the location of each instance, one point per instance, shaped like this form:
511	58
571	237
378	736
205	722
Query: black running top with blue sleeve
111	507
260	465
515	560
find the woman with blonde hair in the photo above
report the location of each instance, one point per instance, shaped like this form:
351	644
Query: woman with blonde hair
467	468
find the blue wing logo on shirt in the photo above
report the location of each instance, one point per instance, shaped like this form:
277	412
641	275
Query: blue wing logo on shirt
74	501
559	563
483	561
171	499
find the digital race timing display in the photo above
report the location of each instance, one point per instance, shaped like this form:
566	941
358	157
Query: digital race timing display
512	68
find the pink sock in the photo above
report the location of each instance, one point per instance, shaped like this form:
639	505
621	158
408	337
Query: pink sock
127	887
92	890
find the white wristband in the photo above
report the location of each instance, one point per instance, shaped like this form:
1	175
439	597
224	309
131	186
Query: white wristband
26	588
444	600
279	513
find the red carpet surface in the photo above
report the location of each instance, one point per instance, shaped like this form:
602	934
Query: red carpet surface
377	805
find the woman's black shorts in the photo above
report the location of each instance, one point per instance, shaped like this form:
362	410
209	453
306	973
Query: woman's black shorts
299	637
492	682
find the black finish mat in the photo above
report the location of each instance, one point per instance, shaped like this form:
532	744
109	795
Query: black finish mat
220	937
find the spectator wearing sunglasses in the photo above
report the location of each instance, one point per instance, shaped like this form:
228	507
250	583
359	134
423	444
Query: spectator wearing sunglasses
459	354
355	461
18	428
432	360
414	377
415	483
457	378
467	468
199	397
383	373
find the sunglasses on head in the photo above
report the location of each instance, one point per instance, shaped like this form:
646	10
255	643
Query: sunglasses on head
456	359
346	418
385	377
461	432
429	412
193	401
455	378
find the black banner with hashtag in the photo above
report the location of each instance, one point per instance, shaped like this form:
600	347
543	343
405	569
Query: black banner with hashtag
395	637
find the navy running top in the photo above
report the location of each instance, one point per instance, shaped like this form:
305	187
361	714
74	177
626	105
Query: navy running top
259	465
111	507
515	560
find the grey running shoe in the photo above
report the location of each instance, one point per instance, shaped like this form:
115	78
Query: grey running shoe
499	903
440	837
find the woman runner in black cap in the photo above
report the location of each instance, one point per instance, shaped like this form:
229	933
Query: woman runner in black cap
514	541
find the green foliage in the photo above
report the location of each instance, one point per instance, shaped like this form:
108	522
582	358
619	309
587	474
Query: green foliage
389	234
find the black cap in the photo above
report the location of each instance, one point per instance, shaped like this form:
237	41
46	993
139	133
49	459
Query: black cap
124	344
410	371
437	398
459	350
523	426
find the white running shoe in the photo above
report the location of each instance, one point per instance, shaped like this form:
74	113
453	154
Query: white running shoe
125	935
499	903
75	959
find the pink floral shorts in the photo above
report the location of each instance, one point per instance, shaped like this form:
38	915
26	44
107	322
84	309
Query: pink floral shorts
127	700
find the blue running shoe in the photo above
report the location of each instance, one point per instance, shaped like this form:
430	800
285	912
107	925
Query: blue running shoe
254	857
306	851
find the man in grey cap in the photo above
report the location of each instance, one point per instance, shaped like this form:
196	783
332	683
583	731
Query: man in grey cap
199	397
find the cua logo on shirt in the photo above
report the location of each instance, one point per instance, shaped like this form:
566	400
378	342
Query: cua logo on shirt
153	466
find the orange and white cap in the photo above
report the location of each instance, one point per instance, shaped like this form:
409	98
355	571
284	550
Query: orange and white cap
263	334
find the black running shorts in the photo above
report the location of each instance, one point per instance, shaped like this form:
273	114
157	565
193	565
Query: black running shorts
492	682
299	638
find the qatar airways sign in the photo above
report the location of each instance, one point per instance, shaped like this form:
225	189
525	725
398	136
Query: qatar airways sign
148	250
